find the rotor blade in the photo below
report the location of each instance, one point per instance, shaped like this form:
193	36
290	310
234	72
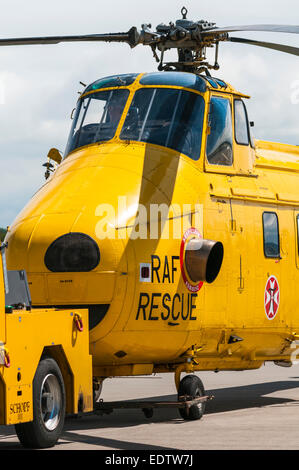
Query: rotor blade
268	45
131	37
272	28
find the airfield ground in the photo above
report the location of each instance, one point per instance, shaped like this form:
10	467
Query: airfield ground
251	410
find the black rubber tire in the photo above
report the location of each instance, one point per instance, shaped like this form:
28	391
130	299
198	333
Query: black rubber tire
192	386
148	412
35	434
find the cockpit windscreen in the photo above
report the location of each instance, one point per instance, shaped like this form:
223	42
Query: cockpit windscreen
168	117
97	117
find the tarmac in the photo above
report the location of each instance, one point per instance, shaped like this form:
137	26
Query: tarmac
251	410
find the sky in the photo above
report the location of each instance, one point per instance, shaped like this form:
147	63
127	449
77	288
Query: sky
39	85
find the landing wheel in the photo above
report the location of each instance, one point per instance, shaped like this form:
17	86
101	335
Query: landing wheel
148	412
192	386
48	408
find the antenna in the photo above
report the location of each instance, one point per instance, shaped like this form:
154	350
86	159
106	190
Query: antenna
184	12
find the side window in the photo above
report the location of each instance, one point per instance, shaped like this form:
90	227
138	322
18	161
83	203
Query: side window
220	140
271	235
241	123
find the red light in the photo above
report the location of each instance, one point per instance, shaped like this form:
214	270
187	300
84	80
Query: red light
145	272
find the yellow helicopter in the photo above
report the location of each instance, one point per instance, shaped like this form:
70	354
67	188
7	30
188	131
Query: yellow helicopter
166	219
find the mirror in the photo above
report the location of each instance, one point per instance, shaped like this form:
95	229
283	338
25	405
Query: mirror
55	155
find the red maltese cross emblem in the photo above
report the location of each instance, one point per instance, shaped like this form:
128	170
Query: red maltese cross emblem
272	297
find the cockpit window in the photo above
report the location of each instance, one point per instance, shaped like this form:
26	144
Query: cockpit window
167	117
112	81
220	138
97	117
241	123
181	79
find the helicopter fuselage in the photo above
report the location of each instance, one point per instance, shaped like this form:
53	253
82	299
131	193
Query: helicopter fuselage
109	230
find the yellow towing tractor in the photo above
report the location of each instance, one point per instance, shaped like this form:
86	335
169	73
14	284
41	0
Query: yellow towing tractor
46	371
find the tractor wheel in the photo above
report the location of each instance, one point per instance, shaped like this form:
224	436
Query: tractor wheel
48	408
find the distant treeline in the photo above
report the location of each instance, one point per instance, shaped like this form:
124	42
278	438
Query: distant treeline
2	233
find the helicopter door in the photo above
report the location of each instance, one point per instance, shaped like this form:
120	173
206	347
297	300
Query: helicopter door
229	145
270	271
238	267
243	142
219	144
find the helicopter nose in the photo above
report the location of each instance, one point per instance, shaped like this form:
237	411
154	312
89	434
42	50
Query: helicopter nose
66	264
57	238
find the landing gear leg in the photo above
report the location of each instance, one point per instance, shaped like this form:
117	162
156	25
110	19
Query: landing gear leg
97	389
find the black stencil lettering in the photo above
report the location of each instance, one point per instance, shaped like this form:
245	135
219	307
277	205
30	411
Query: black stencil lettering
142	306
